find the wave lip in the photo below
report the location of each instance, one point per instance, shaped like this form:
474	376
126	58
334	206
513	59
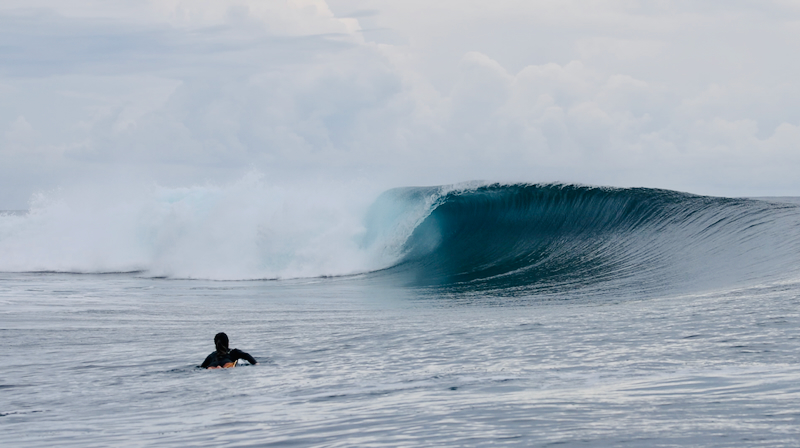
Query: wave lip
556	236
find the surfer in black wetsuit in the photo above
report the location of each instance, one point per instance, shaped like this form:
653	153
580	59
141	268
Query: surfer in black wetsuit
223	357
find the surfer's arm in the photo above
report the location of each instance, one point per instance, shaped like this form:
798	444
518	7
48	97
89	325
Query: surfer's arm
207	362
242	355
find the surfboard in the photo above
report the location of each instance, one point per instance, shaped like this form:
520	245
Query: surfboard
229	365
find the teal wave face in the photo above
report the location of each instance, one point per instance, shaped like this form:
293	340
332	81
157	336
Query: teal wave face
555	237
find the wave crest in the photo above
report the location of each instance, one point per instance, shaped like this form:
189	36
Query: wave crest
563	236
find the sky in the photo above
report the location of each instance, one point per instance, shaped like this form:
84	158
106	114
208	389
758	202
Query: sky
692	96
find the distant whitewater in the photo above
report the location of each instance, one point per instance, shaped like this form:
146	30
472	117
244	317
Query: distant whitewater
246	230
505	237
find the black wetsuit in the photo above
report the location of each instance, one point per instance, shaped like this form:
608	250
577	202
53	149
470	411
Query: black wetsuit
217	359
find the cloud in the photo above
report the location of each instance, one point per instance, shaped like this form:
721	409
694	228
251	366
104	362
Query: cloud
668	94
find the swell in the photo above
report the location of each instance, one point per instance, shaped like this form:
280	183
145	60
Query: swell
559	237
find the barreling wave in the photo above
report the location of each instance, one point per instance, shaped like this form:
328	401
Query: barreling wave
566	236
472	236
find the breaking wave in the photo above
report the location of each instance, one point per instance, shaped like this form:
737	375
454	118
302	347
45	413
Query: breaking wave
566	236
472	236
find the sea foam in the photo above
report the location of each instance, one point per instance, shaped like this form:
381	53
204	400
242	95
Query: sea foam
248	229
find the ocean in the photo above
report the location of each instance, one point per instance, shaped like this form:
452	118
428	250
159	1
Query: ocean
464	315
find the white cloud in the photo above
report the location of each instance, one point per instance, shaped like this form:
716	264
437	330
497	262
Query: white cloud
19	135
680	95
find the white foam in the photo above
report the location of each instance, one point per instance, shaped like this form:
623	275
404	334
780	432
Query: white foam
244	230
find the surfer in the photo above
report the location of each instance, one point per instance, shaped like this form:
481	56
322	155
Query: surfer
223	357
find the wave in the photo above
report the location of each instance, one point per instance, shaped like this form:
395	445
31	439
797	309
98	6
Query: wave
472	236
556	237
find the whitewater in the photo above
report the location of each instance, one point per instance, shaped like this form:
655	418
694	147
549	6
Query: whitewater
462	315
